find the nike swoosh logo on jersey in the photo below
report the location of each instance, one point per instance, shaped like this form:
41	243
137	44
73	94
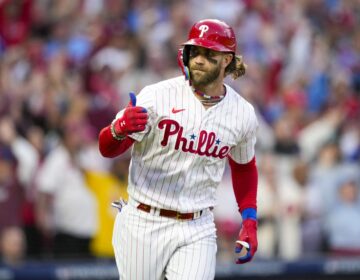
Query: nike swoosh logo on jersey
174	111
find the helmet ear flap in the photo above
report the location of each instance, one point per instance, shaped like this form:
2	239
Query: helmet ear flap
183	60
186	55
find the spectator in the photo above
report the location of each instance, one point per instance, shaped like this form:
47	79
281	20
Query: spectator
12	246
342	224
290	200
107	187
67	208
267	207
15	21
11	192
28	159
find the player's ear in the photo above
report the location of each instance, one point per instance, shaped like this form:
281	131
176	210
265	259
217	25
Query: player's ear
227	58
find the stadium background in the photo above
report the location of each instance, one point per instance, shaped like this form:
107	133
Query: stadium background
66	68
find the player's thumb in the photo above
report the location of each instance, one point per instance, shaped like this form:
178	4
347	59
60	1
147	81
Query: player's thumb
132	99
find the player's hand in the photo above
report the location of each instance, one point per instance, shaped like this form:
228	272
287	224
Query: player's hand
134	118
248	234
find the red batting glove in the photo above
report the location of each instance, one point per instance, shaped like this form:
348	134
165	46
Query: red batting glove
248	233
134	118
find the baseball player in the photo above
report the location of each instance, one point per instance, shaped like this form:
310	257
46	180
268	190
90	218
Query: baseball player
182	131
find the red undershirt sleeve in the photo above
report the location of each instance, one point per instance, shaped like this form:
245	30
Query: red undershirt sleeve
109	146
245	181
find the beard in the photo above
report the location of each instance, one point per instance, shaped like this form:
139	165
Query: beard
202	78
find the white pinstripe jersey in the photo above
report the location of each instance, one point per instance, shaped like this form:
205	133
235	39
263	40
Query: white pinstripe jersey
179	160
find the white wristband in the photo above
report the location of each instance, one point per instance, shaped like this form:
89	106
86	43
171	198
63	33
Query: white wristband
113	133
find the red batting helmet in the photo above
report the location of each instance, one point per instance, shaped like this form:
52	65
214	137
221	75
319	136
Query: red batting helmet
212	34
208	33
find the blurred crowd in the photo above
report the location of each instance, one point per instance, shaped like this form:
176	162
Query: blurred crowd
66	68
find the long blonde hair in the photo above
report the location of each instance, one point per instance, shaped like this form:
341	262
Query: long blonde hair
236	68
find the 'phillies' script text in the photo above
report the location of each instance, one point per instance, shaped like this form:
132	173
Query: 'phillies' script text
206	144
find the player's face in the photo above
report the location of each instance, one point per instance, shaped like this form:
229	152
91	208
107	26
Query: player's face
205	65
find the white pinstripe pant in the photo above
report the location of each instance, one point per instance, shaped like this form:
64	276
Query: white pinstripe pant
152	247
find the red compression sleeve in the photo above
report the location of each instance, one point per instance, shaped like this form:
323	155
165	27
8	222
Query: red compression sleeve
245	180
110	147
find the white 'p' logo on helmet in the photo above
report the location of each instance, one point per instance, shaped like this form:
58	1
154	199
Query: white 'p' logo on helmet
203	29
